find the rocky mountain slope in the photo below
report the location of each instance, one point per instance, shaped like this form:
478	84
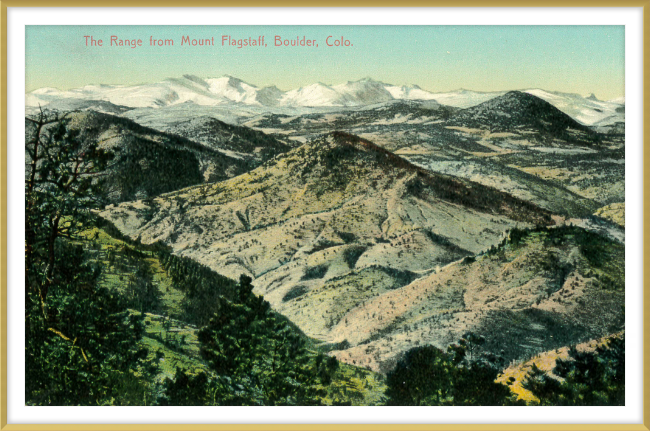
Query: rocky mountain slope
537	291
517	143
366	251
324	212
236	141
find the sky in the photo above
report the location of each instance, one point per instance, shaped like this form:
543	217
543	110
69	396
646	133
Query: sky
573	59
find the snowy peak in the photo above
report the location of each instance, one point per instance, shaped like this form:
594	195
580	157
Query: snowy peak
353	93
227	90
318	94
586	110
233	89
409	92
269	96
363	92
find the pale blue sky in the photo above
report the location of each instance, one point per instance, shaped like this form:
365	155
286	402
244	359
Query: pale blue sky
578	59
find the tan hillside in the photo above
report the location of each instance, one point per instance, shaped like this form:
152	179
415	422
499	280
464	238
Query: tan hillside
328	226
547	290
613	212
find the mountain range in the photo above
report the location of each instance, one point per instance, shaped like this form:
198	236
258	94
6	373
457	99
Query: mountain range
378	218
372	254
228	90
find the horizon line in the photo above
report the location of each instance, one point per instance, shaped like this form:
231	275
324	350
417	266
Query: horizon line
367	78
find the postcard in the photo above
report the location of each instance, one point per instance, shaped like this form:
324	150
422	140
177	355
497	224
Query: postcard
335	215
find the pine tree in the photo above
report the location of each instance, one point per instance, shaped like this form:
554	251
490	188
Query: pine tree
246	341
81	344
594	378
458	377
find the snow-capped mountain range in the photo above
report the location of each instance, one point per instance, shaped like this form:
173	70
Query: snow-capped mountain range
229	90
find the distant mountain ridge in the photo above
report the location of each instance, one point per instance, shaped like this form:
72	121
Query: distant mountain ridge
516	110
147	162
228	90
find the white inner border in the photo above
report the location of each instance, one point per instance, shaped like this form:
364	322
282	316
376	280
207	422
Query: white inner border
632	18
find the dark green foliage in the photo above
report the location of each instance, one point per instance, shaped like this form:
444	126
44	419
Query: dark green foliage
202	287
594	249
141	292
420	378
81	344
138	165
295	292
468	259
328	347
185	390
518	333
402	278
142	154
459	377
314	272
207	389
325	367
245	341
347	237
219	135
62	184
587	378
601	253
593	245
351	255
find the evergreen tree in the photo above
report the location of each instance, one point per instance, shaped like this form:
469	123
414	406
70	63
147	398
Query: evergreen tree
142	293
201	286
186	390
246	341
422	377
459	377
85	350
62	185
81	344
584	379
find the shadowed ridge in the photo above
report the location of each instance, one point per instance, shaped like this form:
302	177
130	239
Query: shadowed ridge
448	188
382	154
516	110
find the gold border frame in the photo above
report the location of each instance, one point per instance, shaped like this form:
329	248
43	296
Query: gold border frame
645	426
